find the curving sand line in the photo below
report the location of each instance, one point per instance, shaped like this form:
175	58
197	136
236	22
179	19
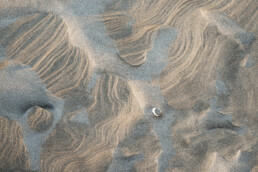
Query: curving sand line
22	90
11	137
39	119
206	57
228	27
213	38
43	44
210	81
93	148
41	41
132	26
204	66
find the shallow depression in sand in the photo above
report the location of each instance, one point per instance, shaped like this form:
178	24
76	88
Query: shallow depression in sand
21	90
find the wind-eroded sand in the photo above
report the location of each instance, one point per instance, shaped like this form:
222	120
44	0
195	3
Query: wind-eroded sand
78	81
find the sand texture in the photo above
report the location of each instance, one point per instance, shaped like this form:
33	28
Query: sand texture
80	79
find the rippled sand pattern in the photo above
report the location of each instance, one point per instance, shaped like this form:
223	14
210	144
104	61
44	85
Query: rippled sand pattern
91	147
13	152
79	80
39	119
41	41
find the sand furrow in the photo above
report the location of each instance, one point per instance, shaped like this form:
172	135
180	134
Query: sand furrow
203	69
10	138
113	102
39	119
45	46
133	28
195	60
198	51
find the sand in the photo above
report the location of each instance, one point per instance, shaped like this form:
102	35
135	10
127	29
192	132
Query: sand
79	80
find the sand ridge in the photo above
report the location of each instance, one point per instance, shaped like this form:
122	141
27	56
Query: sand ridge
79	80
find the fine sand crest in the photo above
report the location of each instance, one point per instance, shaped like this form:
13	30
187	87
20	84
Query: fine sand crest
91	148
39	119
3	64
140	150
131	24
21	91
198	62
13	152
99	115
199	57
203	70
131	28
41	41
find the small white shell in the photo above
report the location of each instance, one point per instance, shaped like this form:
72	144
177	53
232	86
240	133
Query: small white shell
156	111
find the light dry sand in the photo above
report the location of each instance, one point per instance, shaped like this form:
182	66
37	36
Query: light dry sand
79	79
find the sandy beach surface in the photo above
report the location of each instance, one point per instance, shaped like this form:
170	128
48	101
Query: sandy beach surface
129	85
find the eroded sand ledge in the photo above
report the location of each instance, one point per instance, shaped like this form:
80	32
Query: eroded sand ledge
78	80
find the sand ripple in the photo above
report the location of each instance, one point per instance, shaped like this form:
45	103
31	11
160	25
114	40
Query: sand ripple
13	152
112	114
39	119
41	41
209	79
